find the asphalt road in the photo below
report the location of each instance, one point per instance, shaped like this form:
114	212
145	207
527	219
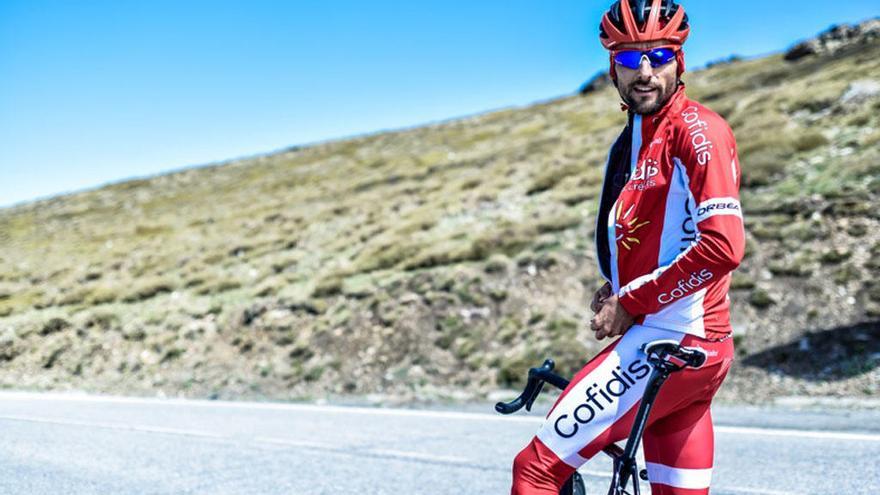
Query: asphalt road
54	444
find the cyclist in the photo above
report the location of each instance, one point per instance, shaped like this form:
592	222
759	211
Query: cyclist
669	234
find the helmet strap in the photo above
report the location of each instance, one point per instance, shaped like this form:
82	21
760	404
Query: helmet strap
679	57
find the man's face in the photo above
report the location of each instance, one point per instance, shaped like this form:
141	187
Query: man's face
647	89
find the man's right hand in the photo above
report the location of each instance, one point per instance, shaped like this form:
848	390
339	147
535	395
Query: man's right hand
600	296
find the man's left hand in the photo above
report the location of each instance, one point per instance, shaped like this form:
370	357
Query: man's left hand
611	320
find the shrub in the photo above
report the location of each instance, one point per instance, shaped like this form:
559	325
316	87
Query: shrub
847	273
219	286
560	221
147	289
498	263
761	299
810	140
102	294
760	166
550	178
835	255
742	281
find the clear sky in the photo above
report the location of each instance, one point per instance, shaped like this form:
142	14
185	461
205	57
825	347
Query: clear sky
98	91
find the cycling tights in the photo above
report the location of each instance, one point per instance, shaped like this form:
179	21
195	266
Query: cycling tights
598	408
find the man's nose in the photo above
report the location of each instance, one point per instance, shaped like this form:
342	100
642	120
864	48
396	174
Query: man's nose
645	69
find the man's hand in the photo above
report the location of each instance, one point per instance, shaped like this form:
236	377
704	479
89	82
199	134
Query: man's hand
611	320
600	296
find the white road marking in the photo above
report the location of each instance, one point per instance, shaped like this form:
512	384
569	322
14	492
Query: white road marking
421	456
753	491
778	432
355	451
113	426
415	413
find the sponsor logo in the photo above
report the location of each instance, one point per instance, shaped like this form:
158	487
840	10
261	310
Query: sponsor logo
643	177
718	206
686	286
627	228
598	398
647	170
697	132
709	353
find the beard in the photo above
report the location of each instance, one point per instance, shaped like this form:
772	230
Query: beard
646	103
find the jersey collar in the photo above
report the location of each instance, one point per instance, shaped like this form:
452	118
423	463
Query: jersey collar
674	105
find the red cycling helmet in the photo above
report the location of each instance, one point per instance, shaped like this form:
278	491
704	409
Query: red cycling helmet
636	21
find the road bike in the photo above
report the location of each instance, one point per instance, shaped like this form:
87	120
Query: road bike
665	357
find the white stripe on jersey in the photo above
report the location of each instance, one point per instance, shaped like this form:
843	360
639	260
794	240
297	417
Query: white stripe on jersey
692	479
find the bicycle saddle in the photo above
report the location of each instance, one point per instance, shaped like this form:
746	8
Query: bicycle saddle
671	352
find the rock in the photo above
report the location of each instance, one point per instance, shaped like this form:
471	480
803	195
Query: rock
409	298
9	345
358	287
835	39
861	91
596	83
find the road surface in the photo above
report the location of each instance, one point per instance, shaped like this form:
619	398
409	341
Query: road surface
77	444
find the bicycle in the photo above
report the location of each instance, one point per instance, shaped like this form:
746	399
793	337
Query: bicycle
666	357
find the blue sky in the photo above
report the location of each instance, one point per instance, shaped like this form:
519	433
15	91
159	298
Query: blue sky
99	91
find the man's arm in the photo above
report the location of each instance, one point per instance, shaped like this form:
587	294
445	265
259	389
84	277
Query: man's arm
714	183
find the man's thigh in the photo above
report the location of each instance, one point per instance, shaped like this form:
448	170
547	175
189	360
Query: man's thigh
598	406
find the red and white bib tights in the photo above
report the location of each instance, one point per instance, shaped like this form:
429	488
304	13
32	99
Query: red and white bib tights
669	234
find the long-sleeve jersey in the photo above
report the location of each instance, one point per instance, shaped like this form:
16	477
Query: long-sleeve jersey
670	226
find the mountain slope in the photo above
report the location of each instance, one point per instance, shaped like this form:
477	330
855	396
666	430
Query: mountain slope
443	260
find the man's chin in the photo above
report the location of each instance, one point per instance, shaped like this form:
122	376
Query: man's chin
644	106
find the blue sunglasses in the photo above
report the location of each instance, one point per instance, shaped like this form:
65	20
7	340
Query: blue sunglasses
632	59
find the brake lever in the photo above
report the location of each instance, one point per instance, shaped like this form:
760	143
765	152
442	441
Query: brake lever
535	394
534	385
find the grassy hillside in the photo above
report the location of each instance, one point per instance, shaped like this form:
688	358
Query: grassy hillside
441	261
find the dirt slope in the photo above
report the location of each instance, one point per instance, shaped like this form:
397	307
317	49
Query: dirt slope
440	261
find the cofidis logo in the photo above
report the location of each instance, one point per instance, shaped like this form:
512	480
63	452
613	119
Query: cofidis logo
597	398
697	131
686	286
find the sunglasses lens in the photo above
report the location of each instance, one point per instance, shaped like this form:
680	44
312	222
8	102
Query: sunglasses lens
661	56
630	59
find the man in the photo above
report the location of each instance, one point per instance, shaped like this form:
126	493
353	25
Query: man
669	234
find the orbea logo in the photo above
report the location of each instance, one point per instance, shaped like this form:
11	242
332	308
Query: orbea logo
685	287
567	426
697	131
730	208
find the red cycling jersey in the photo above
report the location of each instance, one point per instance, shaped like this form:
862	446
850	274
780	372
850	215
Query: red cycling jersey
670	226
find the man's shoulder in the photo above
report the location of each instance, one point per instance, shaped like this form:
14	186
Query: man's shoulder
691	115
700	133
